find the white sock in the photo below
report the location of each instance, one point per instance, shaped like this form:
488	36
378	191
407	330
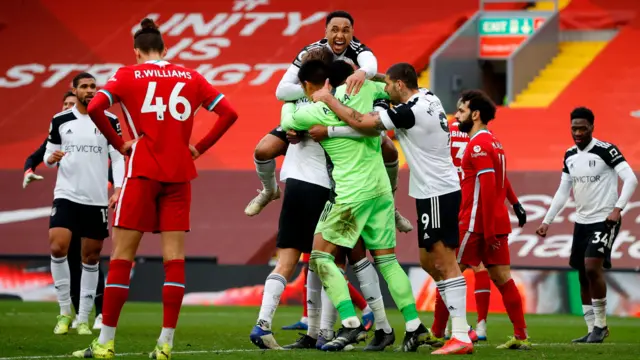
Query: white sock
166	336
412	325
392	172
62	283
589	316
273	288
314	304
329	314
367	310
267	173
351	322
600	312
107	333
88	286
370	286
305	319
456	301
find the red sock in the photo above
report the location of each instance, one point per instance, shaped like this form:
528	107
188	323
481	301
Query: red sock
483	294
513	303
116	291
304	292
440	316
172	292
357	298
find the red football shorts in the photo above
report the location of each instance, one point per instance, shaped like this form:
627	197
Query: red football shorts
473	250
151	206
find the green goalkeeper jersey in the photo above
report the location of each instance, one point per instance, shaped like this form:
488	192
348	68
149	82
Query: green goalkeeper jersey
355	166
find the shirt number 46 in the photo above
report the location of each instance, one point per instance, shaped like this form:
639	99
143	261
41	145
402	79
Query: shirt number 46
160	108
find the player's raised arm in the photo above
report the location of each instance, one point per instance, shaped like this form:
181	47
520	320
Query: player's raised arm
227	115
289	88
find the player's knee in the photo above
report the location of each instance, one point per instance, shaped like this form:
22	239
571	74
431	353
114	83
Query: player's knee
58	249
593	269
500	274
269	148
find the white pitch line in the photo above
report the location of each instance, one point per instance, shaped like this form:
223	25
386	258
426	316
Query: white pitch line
228	351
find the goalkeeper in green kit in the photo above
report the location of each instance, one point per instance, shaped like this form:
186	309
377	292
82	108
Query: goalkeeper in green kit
361	205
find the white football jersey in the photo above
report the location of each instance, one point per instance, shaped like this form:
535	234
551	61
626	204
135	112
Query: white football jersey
594	178
83	171
422	129
306	161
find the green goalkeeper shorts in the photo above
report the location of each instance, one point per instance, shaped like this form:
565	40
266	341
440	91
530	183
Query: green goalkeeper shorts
373	219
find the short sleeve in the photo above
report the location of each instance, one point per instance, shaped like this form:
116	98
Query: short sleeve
359	47
565	169
54	132
400	117
209	96
115	86
298	60
481	156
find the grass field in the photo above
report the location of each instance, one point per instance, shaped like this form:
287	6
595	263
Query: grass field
26	332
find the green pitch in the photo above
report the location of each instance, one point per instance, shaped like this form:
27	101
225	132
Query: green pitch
223	333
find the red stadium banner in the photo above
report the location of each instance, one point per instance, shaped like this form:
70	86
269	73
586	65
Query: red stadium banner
242	47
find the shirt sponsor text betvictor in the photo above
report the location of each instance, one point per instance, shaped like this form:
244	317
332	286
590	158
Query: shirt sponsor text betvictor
528	249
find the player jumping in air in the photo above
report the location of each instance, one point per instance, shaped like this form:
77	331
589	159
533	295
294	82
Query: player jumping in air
307	191
484	218
361	205
591	168
159	100
422	130
339	27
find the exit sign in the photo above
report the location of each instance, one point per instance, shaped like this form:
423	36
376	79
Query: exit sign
509	26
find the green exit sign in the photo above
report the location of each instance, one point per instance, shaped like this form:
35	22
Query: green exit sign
509	26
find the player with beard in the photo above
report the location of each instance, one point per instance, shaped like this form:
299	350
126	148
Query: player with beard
80	203
422	130
339	26
459	141
74	256
361	206
591	168
484	219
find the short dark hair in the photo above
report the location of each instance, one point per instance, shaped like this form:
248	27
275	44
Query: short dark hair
148	37
67	94
339	71
338	14
319	53
405	73
479	101
82	75
313	71
583	113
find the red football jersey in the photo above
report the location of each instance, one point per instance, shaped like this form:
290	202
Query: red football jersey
159	101
459	141
484	154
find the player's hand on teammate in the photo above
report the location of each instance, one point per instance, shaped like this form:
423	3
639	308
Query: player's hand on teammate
55	157
194	152
324	94
355	81
293	137
521	214
319	132
113	200
30	176
542	230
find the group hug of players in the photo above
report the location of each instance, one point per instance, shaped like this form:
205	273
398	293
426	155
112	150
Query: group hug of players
340	171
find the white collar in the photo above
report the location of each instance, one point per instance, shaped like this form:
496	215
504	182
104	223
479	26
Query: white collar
157	62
